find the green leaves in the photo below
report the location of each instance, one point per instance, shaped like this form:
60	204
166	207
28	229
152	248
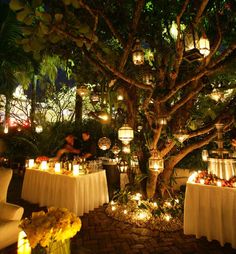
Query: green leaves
16	5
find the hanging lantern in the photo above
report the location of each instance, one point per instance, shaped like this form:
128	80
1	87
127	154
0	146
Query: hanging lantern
82	91
38	128
138	54
148	77
125	134
217	95
162	120
123	166
156	163
204	45
94	98
104	143
139	128
115	149
126	148
181	135
103	116
205	155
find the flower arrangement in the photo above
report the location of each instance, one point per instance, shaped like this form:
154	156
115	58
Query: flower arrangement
56	225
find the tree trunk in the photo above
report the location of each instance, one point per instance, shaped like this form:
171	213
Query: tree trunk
33	102
7	110
151	183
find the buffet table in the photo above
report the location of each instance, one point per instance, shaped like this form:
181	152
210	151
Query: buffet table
80	194
210	211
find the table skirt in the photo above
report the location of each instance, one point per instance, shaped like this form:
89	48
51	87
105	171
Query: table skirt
80	194
210	211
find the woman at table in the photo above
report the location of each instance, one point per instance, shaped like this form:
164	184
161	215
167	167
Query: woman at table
88	147
68	150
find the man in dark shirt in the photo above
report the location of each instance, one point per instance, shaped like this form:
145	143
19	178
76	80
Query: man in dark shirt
88	147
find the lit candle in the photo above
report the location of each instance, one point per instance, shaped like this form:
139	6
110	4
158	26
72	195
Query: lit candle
113	208
219	183
75	170
31	163
202	181
125	211
155	204
23	246
57	167
44	165
155	167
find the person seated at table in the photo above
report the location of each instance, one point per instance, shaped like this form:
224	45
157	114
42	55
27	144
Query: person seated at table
68	150
88	147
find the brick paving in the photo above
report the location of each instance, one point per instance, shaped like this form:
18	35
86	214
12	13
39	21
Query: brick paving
101	234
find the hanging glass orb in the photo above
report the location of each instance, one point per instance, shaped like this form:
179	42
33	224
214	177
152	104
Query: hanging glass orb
123	166
156	163
104	143
126	149
82	91
204	45
181	135
125	134
38	128
138	53
115	149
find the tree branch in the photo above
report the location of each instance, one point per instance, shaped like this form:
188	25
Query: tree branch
200	12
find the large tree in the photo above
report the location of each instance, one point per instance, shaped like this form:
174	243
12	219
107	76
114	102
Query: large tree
100	36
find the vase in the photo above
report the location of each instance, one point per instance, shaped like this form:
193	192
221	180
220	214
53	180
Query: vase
54	248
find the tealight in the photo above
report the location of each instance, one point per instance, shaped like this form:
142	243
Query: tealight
202	181
44	165
57	167
31	163
219	183
75	170
125	211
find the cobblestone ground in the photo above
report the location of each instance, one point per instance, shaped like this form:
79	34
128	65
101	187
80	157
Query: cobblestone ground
101	234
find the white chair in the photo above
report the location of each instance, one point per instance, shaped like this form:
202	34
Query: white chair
10	214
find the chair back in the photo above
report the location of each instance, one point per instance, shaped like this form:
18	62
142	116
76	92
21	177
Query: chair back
5	178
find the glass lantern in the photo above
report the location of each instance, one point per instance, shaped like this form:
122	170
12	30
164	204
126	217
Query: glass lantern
204	45
104	143
38	128
156	163
148	78
181	135
126	148
205	155
115	149
94	98
162	120
123	166
82	91
138	54
125	134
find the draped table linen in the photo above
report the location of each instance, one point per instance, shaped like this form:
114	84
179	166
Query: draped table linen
79	194
210	211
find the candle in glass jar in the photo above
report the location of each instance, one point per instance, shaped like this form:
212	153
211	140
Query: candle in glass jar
31	163
57	167
44	165
75	170
23	246
202	181
219	183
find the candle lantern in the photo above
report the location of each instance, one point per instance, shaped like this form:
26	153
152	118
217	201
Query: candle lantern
31	163
205	155
57	167
75	169
115	149
123	166
204	45
138	54
23	246
38	128
125	134
94	98
162	120
126	148
148	78
104	143
181	135
156	163
82	91
44	165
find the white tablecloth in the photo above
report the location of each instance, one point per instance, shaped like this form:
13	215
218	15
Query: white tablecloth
210	211
80	194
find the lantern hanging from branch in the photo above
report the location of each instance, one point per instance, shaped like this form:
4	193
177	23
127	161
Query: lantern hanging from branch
115	149
125	134
137	53
126	148
156	163
181	135
82	91
104	143
94	98
204	45
205	155
148	77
